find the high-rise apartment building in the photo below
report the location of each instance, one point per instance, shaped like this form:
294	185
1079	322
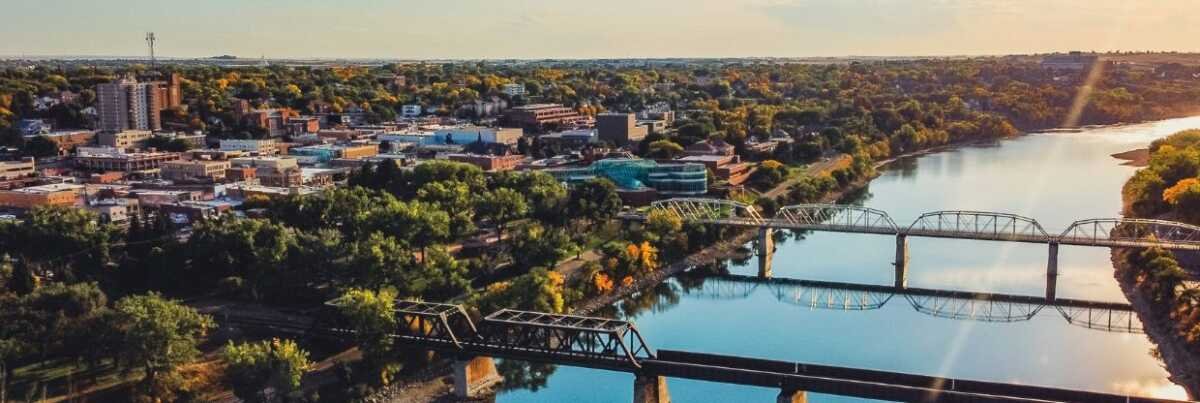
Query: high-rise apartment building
129	105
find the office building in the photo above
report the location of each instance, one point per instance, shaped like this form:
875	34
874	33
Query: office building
259	147
619	129
112	159
514	89
537	115
57	194
24	168
125	139
195	171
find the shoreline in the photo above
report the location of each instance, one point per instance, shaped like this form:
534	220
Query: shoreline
1182	365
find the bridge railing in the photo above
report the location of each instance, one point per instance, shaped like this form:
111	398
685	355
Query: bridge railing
1132	232
835	217
709	210
978	224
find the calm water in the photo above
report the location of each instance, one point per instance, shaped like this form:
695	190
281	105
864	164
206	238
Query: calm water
1055	178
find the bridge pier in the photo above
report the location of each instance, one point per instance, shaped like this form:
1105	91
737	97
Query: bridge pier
766	251
792	396
650	389
1052	262
474	376
901	261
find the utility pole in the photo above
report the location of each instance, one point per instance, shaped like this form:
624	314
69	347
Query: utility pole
150	39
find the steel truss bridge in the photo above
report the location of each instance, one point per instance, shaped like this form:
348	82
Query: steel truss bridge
980	225
617	345
960	305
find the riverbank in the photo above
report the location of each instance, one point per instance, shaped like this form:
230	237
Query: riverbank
1181	362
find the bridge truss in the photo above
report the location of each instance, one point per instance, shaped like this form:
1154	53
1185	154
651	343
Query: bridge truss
978	225
834	217
1132	232
981	225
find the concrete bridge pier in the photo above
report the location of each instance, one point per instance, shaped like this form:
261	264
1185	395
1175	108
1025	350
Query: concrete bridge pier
792	396
901	261
650	389
1051	287
766	251
474	377
1052	262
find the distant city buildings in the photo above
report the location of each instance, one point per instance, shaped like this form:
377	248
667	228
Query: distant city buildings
67	140
1075	61
10	170
514	89
410	111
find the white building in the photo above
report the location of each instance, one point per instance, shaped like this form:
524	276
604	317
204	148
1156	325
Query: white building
410	111
261	147
514	89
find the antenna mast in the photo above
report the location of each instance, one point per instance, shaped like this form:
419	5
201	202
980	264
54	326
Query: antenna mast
150	39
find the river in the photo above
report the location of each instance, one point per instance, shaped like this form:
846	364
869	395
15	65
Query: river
1055	178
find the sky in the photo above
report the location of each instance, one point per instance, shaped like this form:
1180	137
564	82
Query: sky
526	29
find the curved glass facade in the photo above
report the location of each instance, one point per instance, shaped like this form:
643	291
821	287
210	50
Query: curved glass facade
633	174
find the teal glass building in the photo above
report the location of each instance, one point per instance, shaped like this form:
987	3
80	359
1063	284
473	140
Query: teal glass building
634	174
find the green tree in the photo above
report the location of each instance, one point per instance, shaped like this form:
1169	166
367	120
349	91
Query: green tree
535	246
501	206
370	314
664	149
595	200
159	334
265	371
41	147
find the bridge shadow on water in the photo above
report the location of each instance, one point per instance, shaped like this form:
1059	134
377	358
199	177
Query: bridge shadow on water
715	283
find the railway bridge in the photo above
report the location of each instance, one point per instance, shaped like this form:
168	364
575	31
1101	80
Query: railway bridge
955	224
616	345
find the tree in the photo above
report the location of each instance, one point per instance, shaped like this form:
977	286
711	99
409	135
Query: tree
539	290
370	314
535	246
1185	198
381	261
254	249
501	206
595	200
664	149
265	371
769	174
454	198
41	147
158	334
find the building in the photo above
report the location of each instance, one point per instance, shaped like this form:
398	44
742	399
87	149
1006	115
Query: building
514	89
324	152
637	175
272	121
456	135
536	116
654	126
125	139
410	111
24	168
570	139
112	159
259	147
303	125
1075	61
272	171
619	129
67	140
195	171
489	163
129	105
29	127
716	147
726	168
57	194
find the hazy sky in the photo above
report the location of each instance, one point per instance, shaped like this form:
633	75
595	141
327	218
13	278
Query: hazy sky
593	28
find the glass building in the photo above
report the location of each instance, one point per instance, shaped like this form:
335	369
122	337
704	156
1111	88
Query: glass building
635	174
